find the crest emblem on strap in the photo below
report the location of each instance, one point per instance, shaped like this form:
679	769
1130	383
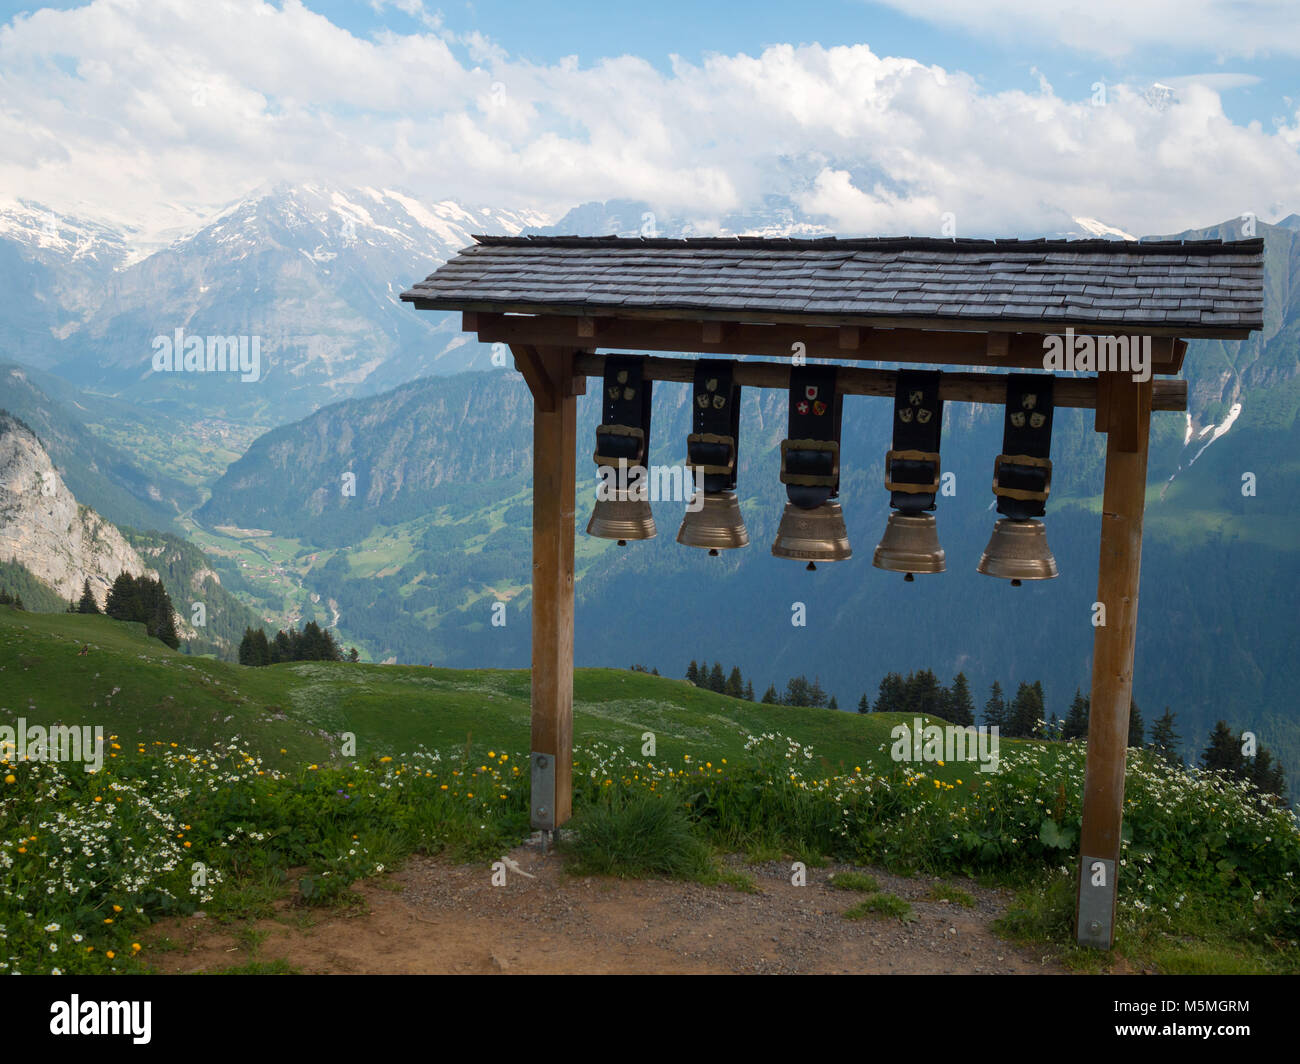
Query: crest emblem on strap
711	384
1018	419
629	393
905	415
923	416
719	401
802	407
1036	420
810	392
819	408
914	397
1029	400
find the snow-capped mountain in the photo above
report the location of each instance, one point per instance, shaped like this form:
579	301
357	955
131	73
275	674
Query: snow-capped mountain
313	273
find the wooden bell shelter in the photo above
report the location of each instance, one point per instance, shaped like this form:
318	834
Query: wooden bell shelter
557	302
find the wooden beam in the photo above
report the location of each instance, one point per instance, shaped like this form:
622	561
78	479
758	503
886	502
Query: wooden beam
620	314
554	456
714	332
1112	665
850	338
955	387
1024	350
998	347
529	362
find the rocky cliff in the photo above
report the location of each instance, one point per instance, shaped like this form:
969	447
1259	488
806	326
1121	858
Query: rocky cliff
45	529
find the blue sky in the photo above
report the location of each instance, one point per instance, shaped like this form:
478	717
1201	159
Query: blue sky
866	117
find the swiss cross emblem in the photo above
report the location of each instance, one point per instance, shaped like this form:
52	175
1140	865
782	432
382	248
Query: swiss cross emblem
802	407
810	392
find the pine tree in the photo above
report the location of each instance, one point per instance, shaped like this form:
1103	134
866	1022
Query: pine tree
749	690
864	706
797	691
122	603
995	709
1076	720
164	624
87	603
1026	711
961	707
890	697
1223	751
769	696
816	696
922	694
717	681
693	673
1164	740
248	648
735	685
1136	727
832	704
354	655
1266	774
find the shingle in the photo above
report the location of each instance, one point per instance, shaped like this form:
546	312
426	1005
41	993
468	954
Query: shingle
1192	284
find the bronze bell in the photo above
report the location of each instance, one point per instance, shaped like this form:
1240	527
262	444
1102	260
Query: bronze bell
716	526
816	535
623	517
910	545
1018	551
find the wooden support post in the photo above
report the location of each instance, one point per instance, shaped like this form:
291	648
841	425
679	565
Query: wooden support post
1114	639
554	455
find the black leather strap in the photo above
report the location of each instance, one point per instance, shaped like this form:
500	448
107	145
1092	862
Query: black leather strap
715	424
810	458
918	423
1027	431
624	431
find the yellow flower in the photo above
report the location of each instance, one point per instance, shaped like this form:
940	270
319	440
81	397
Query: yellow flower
117	908
444	786
384	760
136	946
11	778
108	919
110	955
492	753
22	849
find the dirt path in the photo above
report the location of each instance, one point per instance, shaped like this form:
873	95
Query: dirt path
438	917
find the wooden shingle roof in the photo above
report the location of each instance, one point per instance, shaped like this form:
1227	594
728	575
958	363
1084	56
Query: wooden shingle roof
1201	287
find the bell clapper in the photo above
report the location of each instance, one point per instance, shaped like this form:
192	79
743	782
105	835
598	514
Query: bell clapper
812	567
713	552
622	543
1015	583
909	578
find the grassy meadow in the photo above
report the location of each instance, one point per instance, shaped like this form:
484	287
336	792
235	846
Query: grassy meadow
226	788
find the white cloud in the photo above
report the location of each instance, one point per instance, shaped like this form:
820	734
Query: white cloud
1121	27
146	110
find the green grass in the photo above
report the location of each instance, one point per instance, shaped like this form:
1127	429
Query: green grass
947	892
881	906
858	881
388	708
636	837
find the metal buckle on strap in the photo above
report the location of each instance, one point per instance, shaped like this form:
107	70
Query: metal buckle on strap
712	437
617	430
811	480
1024	494
912	456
